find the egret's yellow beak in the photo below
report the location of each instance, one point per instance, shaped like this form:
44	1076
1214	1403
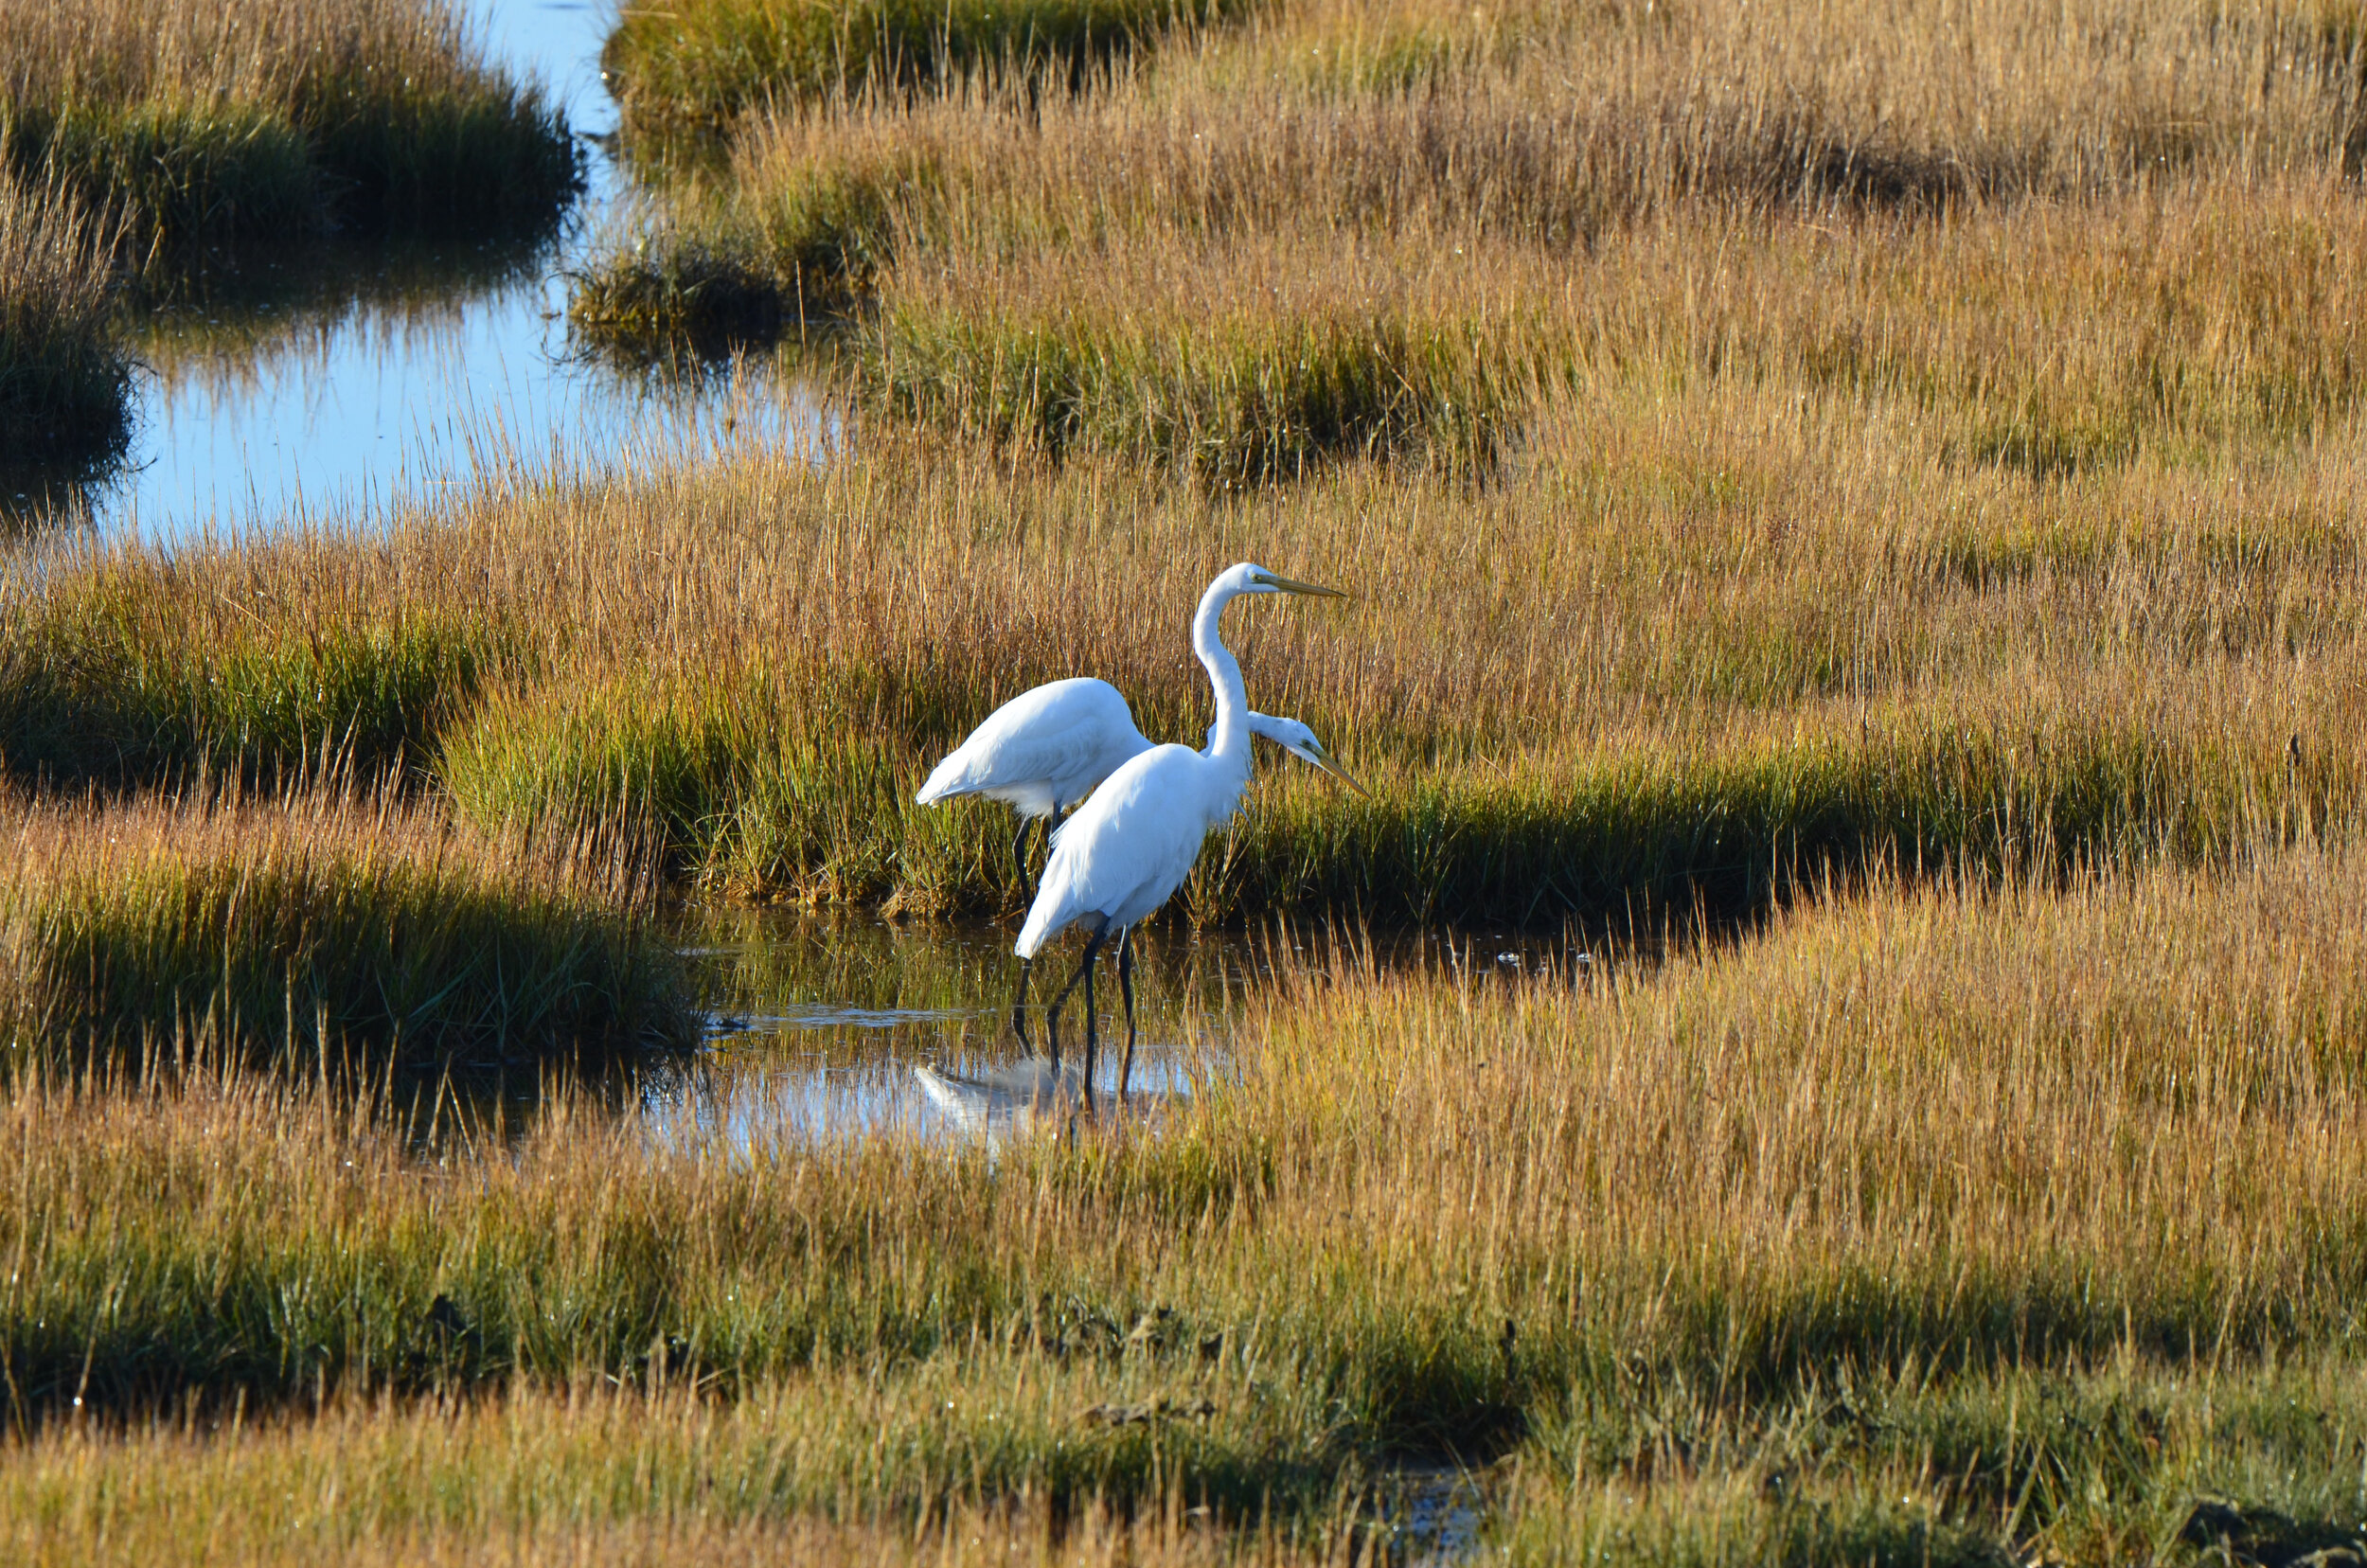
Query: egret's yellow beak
1313	751
1267	579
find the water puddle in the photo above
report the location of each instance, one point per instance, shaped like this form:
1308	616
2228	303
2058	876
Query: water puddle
1434	1516
337	382
825	1028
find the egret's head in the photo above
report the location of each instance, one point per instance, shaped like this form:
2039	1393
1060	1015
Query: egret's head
1300	741
1250	577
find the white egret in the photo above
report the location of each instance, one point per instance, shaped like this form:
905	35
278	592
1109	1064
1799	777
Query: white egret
1046	749
1127	850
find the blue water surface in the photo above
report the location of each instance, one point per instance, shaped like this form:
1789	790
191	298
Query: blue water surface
344	404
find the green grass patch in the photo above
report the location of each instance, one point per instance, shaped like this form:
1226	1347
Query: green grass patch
649	304
483	154
2100	1465
1736	828
739	269
255	126
1246	401
180	171
751	786
120	678
769	786
304	934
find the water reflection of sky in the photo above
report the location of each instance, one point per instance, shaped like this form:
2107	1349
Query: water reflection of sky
425	370
822	1028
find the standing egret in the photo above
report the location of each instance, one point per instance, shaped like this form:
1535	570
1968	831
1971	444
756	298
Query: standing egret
1127	850
1291	737
1046	749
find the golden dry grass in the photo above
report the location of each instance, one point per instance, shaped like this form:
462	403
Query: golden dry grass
1934	1154
1723	620
258	48
1381	141
529	1477
1770	435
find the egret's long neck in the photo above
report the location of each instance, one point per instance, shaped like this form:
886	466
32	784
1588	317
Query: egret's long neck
1231	741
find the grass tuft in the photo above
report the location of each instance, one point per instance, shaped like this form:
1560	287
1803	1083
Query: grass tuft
705	63
314	933
1235	402
115	679
64	380
259	119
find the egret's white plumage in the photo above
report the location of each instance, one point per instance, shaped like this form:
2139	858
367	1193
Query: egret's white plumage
1043	751
1046	749
1131	846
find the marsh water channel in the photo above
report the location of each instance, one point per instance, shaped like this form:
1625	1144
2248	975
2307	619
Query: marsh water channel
834	1027
338	382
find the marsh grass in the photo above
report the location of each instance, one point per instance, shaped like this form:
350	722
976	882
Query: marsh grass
590	1475
177	171
2123	1461
64	380
116	678
314	934
205	125
1269	250
704	64
2054	340
2043	1193
758	788
698	304
1890	477
126	711
1622	679
2096	1466
1245	401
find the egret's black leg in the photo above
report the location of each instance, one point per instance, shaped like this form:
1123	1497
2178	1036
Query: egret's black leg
1092	1040
1019	857
1051	826
1126	986
1085	974
1019	1012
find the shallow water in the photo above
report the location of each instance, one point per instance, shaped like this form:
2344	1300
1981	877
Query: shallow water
335	383
822	1027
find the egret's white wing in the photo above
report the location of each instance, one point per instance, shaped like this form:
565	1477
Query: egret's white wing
1052	743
